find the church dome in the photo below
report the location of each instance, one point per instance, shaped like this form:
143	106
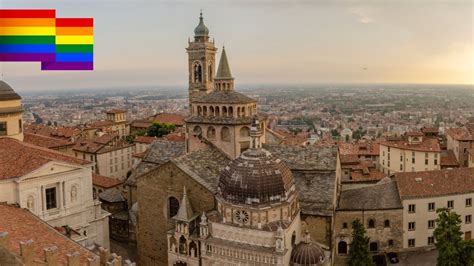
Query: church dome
7	93
256	177
307	253
201	30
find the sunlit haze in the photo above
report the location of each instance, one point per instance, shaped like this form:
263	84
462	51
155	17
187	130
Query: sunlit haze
142	43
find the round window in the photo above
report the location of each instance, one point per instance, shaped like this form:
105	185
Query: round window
241	216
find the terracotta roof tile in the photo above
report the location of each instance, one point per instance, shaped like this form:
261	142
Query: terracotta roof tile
435	183
459	133
22	225
105	181
45	141
426	145
448	159
175	119
18	158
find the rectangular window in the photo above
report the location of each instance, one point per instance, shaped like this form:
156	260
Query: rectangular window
116	160
450	204
111	169
468	202
411	242
430	240
411	208
468	219
401	167
431	207
51	201
20	125
401	158
436	162
426	161
84	156
388	163
388	156
411	226
3	128
413	160
426	155
431	224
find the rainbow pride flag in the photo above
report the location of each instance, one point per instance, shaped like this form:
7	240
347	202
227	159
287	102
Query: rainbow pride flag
38	36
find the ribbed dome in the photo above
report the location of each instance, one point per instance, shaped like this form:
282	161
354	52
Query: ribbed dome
7	93
201	30
307	253
256	177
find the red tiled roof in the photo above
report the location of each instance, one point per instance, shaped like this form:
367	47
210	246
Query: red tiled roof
177	137
370	148
44	141
414	133
429	130
56	132
141	124
459	133
448	159
105	181
435	183
18	158
22	225
145	139
175	119
427	145
349	159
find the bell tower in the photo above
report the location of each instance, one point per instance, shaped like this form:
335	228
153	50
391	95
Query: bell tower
201	62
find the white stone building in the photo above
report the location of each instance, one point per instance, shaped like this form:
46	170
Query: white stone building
423	193
55	187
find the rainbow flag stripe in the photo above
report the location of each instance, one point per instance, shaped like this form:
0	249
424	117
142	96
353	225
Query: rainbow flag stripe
37	35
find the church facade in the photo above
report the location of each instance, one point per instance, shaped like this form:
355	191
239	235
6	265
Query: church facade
232	197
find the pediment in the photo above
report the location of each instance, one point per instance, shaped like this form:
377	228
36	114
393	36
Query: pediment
50	168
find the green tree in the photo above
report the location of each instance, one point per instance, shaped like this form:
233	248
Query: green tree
160	129
141	132
359	254
452	249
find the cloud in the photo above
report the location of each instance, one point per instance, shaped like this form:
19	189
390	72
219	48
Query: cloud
363	15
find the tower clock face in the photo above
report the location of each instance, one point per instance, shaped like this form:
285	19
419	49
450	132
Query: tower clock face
241	216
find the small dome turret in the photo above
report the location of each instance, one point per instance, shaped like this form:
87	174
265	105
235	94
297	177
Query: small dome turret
306	253
201	30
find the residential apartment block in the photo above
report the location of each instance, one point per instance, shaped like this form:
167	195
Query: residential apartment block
413	153
422	193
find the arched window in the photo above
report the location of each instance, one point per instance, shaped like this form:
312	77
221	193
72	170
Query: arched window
238	111
342	248
199	111
244	132
217	111
225	134
231	111
224	111
371	223
197	71
173	206
193	250
183	245
204	111
387	223
197	130
211	111
390	243
211	132
374	247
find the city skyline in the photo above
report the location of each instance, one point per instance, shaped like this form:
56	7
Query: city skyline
340	43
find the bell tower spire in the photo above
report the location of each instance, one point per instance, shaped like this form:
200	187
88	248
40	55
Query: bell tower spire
224	79
201	61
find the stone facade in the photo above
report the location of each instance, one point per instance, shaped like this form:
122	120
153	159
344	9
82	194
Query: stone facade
11	111
154	192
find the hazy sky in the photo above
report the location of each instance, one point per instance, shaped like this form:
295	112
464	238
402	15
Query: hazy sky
142	42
